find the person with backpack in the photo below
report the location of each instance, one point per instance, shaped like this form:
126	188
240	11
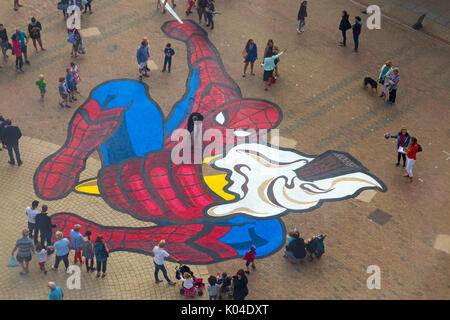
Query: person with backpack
403	139
411	151
344	26
302	14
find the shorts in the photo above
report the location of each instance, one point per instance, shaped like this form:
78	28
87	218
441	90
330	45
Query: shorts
22	259
63	95
42	264
42	91
252	60
24	49
267	75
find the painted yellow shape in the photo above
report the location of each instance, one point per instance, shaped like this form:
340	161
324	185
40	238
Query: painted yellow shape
208	160
152	65
88	187
216	183
366	195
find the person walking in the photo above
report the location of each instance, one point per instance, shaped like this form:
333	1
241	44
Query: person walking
4	44
34	30
240	290
70	85
302	14
158	259
41	85
31	214
393	86
74	37
411	152
201	9
62	251
250	54
44	226
269	66
101	255
24	255
142	58
88	251
88	5
22	37
250	259
75	76
344	26
403	139
189	7
383	78
76	243
168	53
17	5
10	137
56	293
356	32
17	51
63	92
209	12
42	257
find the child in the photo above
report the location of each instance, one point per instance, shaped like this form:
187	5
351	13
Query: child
69	84
17	50
213	287
250	258
225	281
88	251
190	5
42	257
77	243
63	93
75	76
188	284
41	85
168	53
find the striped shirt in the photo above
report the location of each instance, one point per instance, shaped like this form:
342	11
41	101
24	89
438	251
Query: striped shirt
24	245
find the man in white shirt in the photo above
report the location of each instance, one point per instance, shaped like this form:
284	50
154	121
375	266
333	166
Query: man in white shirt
31	213
158	259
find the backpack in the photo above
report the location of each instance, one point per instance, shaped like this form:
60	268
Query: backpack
420	148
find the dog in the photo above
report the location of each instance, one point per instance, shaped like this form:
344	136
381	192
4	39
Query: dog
373	83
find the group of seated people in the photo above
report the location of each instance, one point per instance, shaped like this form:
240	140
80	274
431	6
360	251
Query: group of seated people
297	249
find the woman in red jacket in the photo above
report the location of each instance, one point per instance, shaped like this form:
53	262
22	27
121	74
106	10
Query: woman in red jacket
411	151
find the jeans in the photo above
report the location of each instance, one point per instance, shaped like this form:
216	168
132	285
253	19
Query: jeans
4	45
10	148
301	24
212	297
167	60
163	269
392	95
209	19
64	258
101	265
344	37
31	227
46	237
356	40
19	62
403	156
201	12
90	265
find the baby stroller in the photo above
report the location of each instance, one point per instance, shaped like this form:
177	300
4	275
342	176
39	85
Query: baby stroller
316	246
198	282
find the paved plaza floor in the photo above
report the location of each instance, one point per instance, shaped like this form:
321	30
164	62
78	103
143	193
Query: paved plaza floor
403	228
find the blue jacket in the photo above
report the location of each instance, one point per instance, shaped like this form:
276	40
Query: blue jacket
405	143
142	55
77	239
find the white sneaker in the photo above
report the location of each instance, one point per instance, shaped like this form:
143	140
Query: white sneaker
298	31
68	271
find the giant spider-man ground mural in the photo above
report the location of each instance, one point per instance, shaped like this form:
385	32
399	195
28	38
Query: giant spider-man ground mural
203	217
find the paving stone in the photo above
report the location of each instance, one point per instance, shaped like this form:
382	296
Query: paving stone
379	217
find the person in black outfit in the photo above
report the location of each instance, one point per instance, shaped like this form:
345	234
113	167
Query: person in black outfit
10	137
44	226
296	250
201	9
209	13
2	126
344	26
240	290
34	29
356	32
4	44
195	116
88	5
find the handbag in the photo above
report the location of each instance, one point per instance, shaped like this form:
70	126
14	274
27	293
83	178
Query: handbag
12	262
